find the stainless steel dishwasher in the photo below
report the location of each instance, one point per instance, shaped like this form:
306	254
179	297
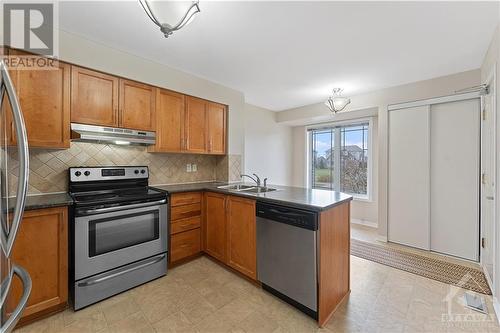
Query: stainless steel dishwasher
286	255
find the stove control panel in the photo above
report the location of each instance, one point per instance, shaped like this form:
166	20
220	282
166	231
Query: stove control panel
85	174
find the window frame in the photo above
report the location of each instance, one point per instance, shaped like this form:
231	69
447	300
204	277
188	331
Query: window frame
309	152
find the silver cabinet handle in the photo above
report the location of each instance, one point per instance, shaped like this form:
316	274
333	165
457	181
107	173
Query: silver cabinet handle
22	148
137	266
16	315
113	209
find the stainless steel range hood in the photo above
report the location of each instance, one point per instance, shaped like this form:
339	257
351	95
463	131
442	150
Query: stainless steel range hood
113	135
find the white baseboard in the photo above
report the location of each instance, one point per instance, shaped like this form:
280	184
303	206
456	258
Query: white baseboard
381	238
365	223
486	275
496	307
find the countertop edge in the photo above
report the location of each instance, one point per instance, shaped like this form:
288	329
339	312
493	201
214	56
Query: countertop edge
210	187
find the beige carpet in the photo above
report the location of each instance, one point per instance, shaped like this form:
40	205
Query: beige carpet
439	270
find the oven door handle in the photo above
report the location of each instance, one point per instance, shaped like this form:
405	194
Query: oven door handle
135	266
114	209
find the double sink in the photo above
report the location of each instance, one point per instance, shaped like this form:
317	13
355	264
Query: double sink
247	188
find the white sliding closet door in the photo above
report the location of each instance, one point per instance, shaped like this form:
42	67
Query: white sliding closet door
409	178
455	147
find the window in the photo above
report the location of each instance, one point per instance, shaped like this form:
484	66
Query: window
340	158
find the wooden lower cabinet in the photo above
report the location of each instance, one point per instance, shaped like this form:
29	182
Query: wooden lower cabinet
214	227
185	225
185	244
241	239
229	232
41	248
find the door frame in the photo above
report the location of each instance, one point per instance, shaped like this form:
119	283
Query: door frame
491	83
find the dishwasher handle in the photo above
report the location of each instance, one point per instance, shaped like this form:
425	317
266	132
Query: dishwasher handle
287	215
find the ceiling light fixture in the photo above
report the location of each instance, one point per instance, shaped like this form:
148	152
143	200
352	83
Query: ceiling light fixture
336	102
178	11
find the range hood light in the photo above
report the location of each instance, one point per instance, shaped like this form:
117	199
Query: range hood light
121	142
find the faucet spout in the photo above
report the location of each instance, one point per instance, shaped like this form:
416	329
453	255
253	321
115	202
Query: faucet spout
255	180
258	179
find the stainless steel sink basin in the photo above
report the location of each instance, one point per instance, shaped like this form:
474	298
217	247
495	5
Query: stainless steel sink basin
236	187
247	188
260	189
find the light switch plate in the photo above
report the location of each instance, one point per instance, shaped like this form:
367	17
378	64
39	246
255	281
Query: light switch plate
188	167
194	167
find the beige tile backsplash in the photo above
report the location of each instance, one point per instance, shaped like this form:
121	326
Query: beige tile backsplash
49	168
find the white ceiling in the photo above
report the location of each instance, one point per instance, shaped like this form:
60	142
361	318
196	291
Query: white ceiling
288	54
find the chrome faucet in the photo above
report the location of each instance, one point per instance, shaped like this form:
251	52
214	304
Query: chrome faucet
256	180
265	182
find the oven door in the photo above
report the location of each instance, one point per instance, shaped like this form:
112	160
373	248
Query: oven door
109	240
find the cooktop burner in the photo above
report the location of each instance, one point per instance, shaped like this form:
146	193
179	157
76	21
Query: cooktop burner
117	196
111	185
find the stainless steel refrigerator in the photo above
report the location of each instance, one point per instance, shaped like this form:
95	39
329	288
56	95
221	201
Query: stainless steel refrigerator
11	204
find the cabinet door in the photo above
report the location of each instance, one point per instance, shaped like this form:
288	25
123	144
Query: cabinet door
241	242
44	96
94	97
169	122
41	248
216	128
137	105
196	125
214	229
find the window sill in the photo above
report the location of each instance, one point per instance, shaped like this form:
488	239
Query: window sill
361	199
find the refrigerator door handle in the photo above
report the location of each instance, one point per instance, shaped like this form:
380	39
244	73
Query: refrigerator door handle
16	314
8	237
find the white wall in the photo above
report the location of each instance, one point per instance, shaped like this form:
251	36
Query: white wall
84	52
491	59
268	146
380	99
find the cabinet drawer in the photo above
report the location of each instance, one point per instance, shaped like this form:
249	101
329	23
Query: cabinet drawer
185	244
182	212
179	199
185	224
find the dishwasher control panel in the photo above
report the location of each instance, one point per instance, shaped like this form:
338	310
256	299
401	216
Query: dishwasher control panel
292	216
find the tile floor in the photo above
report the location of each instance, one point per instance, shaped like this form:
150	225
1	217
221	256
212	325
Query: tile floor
202	296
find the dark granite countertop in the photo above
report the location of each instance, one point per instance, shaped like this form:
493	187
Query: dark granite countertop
44	201
299	197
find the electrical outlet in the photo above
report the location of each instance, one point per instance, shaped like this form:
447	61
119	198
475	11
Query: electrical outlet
188	167
194	167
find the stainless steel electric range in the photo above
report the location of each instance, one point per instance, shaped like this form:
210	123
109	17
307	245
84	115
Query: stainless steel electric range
118	232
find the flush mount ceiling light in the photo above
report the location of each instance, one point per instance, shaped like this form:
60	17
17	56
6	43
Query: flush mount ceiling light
181	12
337	103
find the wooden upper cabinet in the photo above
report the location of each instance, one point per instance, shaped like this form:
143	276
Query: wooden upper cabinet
169	122
44	96
216	128
137	105
195	125
241	239
41	248
94	97
214	228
